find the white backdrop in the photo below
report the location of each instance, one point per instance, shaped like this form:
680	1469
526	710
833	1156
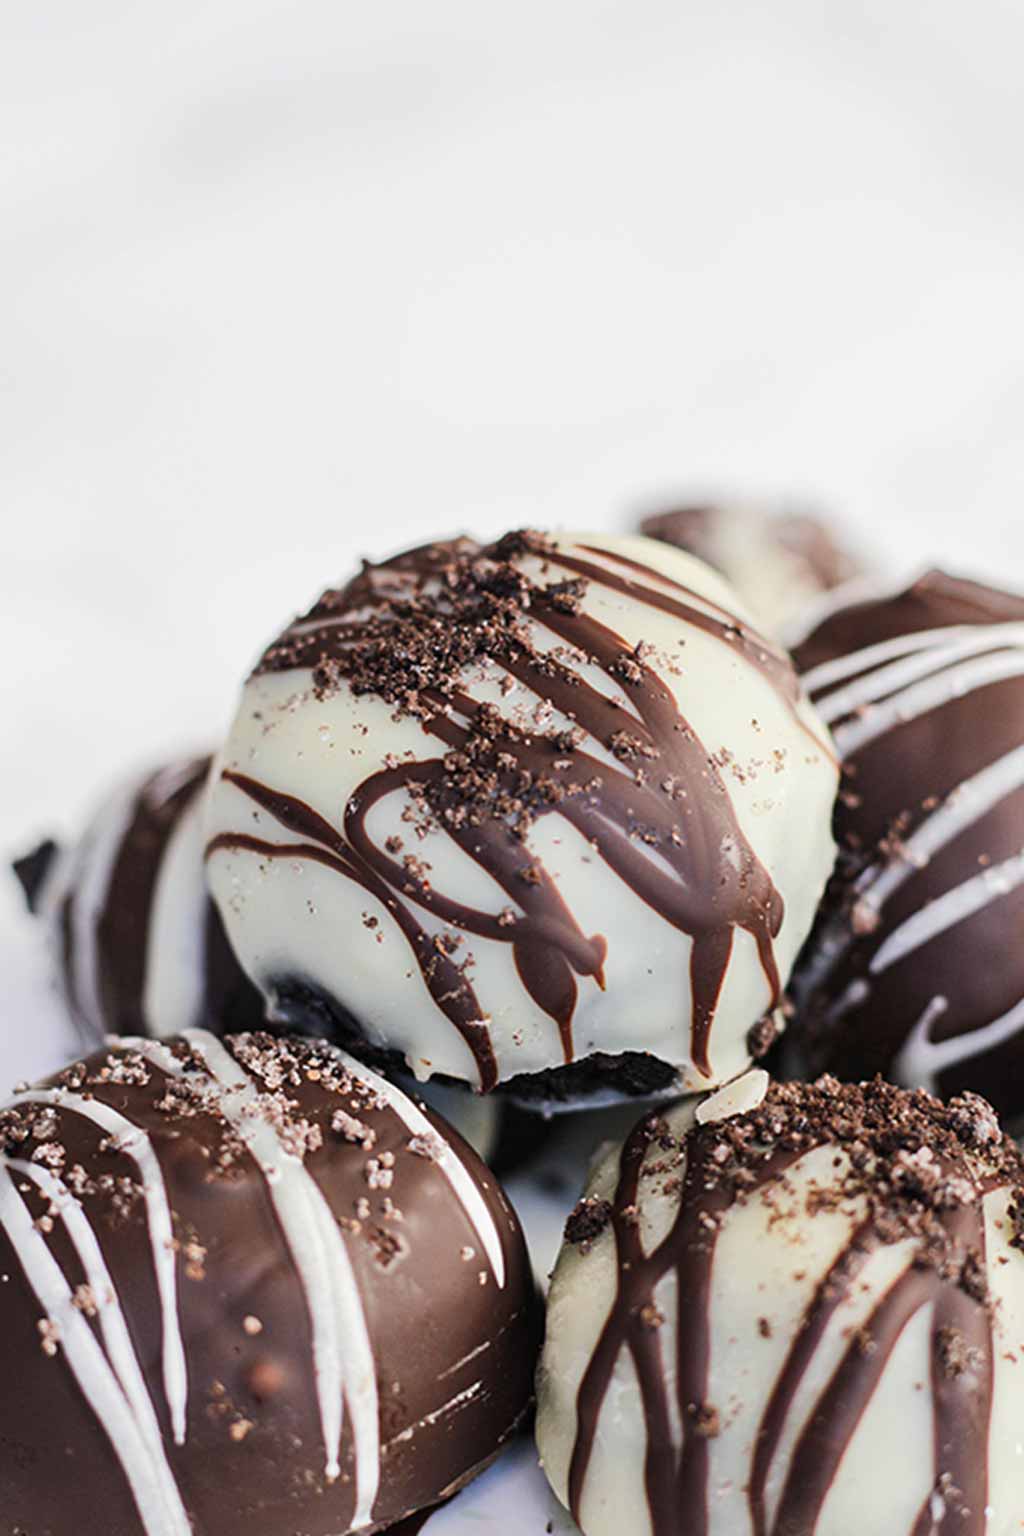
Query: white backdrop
286	283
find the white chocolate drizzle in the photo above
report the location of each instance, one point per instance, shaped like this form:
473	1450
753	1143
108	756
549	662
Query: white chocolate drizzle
862	695
444	1157
343	1360
113	1387
134	1143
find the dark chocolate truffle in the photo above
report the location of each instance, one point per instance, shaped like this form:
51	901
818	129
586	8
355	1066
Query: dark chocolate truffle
543	814
915	968
247	1288
778	561
139	946
798	1312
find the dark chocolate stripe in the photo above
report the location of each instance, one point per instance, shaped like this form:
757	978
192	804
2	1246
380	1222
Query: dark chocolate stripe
672	1483
831	1293
962	1390
449	988
831	1427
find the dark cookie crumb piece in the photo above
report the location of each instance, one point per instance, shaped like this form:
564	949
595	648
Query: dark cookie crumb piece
587	1221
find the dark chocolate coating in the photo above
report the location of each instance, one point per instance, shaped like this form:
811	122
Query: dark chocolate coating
857	1007
453	1352
116	920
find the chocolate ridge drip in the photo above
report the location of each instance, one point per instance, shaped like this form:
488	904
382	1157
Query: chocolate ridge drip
449	988
496	778
832	1291
842	1405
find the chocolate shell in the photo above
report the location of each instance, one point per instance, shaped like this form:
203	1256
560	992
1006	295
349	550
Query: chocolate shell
915	968
247	1287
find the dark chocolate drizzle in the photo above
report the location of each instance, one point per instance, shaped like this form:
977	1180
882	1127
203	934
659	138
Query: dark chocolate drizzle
944	1275
664	822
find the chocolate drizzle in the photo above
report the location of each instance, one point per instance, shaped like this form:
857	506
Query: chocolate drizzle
922	1172
660	815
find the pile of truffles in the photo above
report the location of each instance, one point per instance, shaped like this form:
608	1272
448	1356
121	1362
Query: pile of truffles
508	850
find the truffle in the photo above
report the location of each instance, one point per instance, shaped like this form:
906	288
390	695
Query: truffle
915	967
543	814
778	561
138	945
248	1287
777	1300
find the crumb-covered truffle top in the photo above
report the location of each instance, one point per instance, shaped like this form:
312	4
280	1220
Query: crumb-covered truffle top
874	1201
520	707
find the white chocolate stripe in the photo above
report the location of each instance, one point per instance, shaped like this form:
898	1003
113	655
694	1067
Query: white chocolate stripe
134	1142
870	687
952	907
343	1357
966	806
919	700
120	1402
88	897
858	589
853	663
922	1060
175	972
463	1186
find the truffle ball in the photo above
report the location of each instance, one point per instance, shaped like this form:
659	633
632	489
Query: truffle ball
138	945
802	1316
546	813
778	561
915	968
247	1287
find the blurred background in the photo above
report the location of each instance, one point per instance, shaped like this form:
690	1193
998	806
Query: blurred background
282	285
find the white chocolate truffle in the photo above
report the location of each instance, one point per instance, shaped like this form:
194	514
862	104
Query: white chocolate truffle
802	1320
549	804
780	561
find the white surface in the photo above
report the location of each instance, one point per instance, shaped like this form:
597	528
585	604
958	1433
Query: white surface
281	285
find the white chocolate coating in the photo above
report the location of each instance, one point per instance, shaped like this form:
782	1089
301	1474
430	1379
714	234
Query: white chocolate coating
771	1256
780	562
293	917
